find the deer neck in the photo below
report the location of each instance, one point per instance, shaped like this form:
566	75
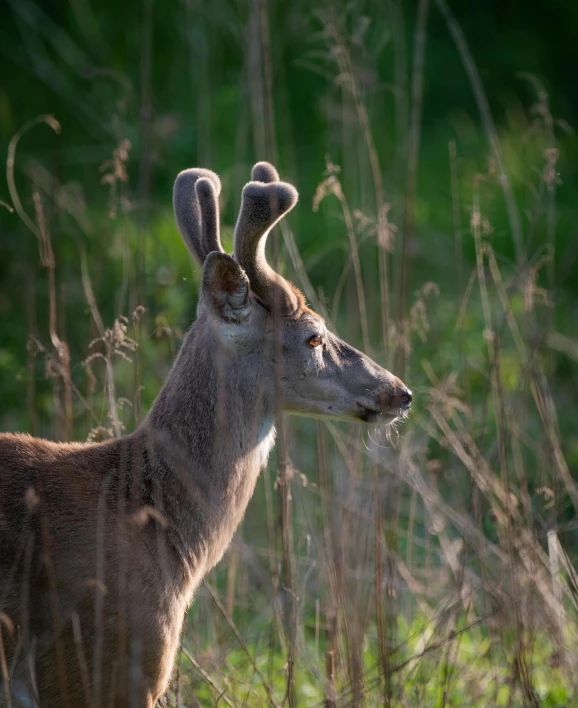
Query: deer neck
209	433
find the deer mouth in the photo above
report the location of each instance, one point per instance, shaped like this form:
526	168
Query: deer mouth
374	415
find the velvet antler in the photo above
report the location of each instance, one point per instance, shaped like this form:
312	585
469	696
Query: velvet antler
264	172
264	203
195	201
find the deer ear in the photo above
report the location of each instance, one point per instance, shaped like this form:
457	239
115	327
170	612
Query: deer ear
226	288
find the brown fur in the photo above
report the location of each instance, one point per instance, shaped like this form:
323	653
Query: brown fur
55	501
135	522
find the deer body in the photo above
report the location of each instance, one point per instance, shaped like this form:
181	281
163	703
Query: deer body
102	545
193	489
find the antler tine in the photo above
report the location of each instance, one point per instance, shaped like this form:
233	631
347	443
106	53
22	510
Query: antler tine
262	206
264	172
208	201
187	208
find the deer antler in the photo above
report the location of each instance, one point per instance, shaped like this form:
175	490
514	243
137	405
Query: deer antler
264	203
196	208
264	172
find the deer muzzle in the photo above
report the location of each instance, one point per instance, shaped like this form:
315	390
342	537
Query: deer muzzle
392	402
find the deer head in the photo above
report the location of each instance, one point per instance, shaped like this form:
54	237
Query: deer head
252	309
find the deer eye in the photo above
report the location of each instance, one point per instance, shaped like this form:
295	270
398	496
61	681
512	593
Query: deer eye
315	341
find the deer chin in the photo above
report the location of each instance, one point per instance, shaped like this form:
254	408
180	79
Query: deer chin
363	414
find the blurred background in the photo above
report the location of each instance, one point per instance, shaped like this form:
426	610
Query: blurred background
433	145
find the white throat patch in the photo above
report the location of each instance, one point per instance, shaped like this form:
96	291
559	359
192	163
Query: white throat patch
265	442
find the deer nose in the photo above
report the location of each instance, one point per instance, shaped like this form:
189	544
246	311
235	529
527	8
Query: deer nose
402	397
405	398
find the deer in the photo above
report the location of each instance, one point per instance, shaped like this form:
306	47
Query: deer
103	544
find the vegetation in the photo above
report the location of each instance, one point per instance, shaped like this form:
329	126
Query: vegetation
433	564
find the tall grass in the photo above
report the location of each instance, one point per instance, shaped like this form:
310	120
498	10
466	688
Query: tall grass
431	564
